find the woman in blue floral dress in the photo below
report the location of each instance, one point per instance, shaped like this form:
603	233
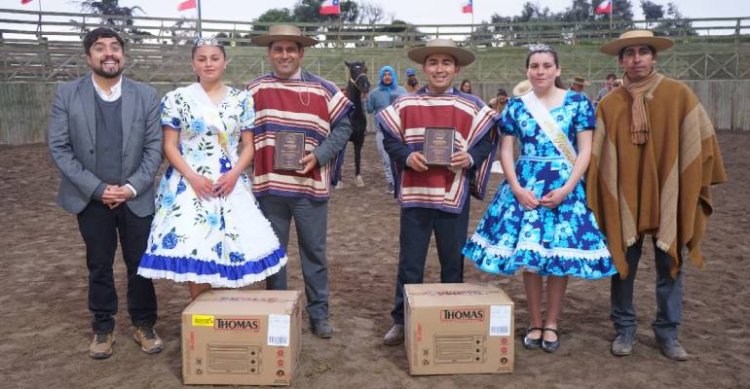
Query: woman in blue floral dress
207	229
539	222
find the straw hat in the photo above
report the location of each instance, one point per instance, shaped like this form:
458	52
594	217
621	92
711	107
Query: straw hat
284	32
443	46
636	37
522	88
578	80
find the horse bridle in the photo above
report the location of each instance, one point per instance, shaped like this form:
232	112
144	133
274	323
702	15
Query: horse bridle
354	81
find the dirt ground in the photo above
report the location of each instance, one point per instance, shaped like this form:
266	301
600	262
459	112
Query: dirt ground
46	332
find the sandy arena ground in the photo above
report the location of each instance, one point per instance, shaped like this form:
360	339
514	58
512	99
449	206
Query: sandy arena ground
45	319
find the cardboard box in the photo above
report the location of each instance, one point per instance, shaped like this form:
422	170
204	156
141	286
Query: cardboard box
241	337
458	329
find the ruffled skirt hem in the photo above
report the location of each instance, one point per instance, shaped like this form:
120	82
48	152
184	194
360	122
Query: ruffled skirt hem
596	264
183	269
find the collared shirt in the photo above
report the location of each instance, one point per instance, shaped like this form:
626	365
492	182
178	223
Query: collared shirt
114	94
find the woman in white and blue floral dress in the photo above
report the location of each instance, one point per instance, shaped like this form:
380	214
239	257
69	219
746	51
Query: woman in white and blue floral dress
207	229
539	221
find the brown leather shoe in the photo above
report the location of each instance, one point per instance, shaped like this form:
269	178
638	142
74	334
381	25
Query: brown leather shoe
149	341
101	345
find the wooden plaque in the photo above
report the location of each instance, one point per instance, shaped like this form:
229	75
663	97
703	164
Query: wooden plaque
289	150
438	145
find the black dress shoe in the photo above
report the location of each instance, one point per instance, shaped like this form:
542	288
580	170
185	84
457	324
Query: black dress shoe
552	346
531	343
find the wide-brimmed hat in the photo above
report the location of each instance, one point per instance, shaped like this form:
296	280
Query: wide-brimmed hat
443	46
636	37
522	88
578	80
284	32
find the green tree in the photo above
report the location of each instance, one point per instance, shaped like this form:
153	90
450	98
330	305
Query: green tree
273	15
651	10
110	12
579	11
675	24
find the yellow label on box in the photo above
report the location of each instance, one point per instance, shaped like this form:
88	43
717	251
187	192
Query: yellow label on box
203	321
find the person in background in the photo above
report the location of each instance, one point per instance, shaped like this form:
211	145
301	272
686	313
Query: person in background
105	139
465	86
208	230
654	161
538	222
608	85
500	100
577	84
384	95
412	84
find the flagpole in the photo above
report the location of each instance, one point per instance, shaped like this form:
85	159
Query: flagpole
611	11
472	22
39	23
200	27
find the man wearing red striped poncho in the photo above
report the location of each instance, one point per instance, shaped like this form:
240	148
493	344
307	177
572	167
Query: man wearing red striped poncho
290	99
435	198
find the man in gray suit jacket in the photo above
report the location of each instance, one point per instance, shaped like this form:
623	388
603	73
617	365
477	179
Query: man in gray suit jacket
105	139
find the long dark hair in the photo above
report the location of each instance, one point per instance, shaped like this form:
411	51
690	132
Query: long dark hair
544	49
464	82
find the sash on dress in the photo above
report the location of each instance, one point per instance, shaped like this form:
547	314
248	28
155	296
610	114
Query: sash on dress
550	127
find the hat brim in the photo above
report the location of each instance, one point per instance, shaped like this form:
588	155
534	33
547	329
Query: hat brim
522	88
265	40
463	57
573	81
657	42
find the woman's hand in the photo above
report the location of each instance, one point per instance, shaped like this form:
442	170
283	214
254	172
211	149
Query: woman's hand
202	186
526	198
225	184
554	197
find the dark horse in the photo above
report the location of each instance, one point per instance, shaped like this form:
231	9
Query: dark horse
357	88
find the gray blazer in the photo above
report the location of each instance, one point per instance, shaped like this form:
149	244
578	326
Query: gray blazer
72	143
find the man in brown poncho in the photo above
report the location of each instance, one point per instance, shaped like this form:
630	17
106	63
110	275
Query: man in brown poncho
655	155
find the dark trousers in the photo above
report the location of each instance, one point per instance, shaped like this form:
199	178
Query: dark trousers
311	222
99	228
417	225
668	296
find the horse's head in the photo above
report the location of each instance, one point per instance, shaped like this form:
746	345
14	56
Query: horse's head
358	76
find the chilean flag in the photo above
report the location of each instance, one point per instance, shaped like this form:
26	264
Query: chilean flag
330	7
605	7
187	4
468	7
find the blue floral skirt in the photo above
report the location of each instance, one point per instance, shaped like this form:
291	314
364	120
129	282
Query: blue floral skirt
223	241
564	241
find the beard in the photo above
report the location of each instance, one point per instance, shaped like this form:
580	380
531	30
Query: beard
99	71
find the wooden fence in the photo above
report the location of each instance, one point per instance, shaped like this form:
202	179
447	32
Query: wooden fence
69	26
25	107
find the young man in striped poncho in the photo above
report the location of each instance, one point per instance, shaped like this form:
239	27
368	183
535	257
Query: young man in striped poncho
435	198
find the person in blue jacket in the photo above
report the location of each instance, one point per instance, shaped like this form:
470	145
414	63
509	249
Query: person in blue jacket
385	94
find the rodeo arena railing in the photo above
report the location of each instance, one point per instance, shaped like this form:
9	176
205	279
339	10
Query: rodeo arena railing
45	46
